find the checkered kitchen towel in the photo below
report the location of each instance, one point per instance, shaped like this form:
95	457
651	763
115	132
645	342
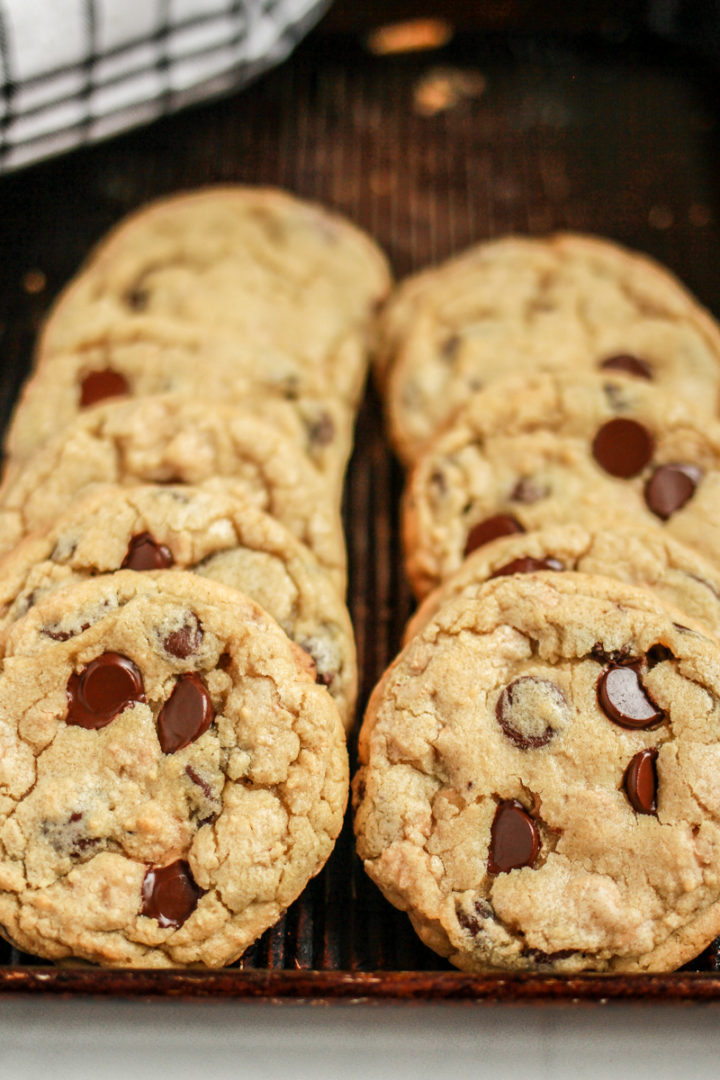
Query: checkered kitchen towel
78	70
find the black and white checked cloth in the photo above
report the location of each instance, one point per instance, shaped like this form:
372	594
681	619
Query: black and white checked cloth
74	71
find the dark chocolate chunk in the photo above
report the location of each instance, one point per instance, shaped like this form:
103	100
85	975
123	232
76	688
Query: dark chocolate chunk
170	894
629	364
528	490
670	487
640	782
103	689
623	447
514	838
99	385
624	700
490	529
531	711
186	714
145	553
526	564
185	641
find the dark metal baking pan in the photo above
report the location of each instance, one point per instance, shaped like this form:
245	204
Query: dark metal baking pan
599	134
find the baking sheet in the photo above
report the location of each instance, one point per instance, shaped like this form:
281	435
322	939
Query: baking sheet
598	136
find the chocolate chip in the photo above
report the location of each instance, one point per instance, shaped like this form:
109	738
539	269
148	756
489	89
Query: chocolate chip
490	529
670	487
623	447
543	958
527	565
99	385
137	298
532	711
145	553
63	635
514	838
170	894
96	695
321	431
185	641
472	922
186	714
614	656
528	490
197	779
640	782
624	700
626	362
449	348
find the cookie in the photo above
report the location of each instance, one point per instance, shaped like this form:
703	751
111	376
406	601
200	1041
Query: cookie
216	534
72	383
646	557
538	786
172	774
555	449
258	276
173	439
522	305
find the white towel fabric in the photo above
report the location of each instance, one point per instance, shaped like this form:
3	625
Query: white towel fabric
74	71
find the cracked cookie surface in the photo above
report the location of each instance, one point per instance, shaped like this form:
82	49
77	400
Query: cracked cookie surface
255	275
555	449
568	302
647	557
171	775
215	534
538	779
72	383
173	439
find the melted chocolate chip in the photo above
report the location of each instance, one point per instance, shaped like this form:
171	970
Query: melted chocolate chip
63	635
490	529
623	447
640	782
170	894
528	491
615	656
624	700
145	553
514	838
527	565
531	711
99	385
186	714
472	922
541	958
197	779
670	487
629	364
185	641
103	689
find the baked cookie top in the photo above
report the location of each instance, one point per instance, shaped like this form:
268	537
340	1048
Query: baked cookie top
214	533
563	303
538	784
172	775
253	272
647	557
554	449
175	439
72	383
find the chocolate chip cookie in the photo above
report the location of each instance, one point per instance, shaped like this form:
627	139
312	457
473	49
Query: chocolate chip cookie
563	303
173	439
172	775
216	534
555	449
647	557
72	383
538	779
263	279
